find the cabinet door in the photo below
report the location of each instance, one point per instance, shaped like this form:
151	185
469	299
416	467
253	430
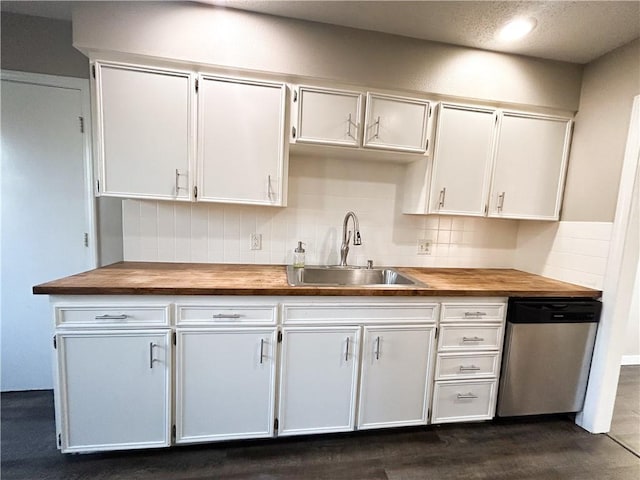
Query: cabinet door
530	167
144	126
225	384
396	123
328	116
462	160
241	157
318	379
114	389
396	368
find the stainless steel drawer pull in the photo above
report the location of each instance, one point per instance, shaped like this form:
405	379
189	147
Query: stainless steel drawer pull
227	315
475	314
377	124
471	368
472	339
463	396
107	316
151	359
261	350
346	352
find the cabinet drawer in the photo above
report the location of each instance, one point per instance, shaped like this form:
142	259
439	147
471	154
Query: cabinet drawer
225	314
463	401
466	312
460	366
116	316
470	337
359	313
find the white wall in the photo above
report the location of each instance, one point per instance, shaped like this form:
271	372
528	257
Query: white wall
321	191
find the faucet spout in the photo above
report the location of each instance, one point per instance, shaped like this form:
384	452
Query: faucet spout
346	237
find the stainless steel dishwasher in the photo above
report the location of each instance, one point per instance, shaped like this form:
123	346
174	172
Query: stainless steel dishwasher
547	355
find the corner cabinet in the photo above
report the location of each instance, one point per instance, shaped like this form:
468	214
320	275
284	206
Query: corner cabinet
144	131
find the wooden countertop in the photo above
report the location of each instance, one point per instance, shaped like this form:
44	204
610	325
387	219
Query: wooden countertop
142	278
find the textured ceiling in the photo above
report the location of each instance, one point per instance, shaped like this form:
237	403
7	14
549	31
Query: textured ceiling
572	31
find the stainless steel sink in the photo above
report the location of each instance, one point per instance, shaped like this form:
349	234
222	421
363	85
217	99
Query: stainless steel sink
348	276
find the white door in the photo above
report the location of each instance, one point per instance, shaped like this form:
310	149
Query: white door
114	389
225	380
396	376
396	123
530	166
462	160
328	116
144	132
241	157
47	209
318	379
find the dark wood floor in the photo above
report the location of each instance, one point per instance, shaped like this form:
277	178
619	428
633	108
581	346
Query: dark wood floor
550	449
625	426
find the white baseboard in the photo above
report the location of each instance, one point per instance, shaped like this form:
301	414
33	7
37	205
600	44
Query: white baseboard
630	360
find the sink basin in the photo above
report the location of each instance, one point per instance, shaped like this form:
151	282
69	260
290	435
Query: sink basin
351	276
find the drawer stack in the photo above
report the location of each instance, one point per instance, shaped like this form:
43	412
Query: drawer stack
468	362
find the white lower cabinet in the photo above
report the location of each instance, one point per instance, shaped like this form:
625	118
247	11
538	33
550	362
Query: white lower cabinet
114	389
225	383
395	383
318	379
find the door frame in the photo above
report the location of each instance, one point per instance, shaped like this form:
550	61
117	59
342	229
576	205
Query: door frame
82	85
616	298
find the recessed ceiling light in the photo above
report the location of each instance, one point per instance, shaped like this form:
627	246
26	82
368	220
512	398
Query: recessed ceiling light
516	29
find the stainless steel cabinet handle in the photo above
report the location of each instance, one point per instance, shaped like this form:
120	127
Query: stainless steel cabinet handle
349	122
226	315
466	395
377	348
151	359
443	192
178	187
471	368
472	339
377	135
261	350
269	189
346	352
500	202
475	314
108	316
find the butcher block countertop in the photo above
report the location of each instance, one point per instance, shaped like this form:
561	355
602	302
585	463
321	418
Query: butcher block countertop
142	278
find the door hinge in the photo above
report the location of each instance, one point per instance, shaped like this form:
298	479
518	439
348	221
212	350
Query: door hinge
429	111
293	132
173	432
175	338
98	186
496	119
93	71
195	191
59	440
197	85
486	208
276	424
279	337
427	146
55	342
295	96
81	124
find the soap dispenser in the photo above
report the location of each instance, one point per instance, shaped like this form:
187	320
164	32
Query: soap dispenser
298	256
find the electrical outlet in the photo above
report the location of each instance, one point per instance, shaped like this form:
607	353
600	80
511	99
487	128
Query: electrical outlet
424	246
255	241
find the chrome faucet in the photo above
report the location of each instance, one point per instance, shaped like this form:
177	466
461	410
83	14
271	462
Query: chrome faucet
344	248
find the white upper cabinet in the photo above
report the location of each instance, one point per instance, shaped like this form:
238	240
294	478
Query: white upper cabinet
462	160
330	117
143	131
530	165
241	141
396	123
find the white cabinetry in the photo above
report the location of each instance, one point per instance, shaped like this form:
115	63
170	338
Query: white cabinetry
395	380
530	166
241	141
396	123
327	116
468	361
225	372
113	387
318	379
462	160
144	126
